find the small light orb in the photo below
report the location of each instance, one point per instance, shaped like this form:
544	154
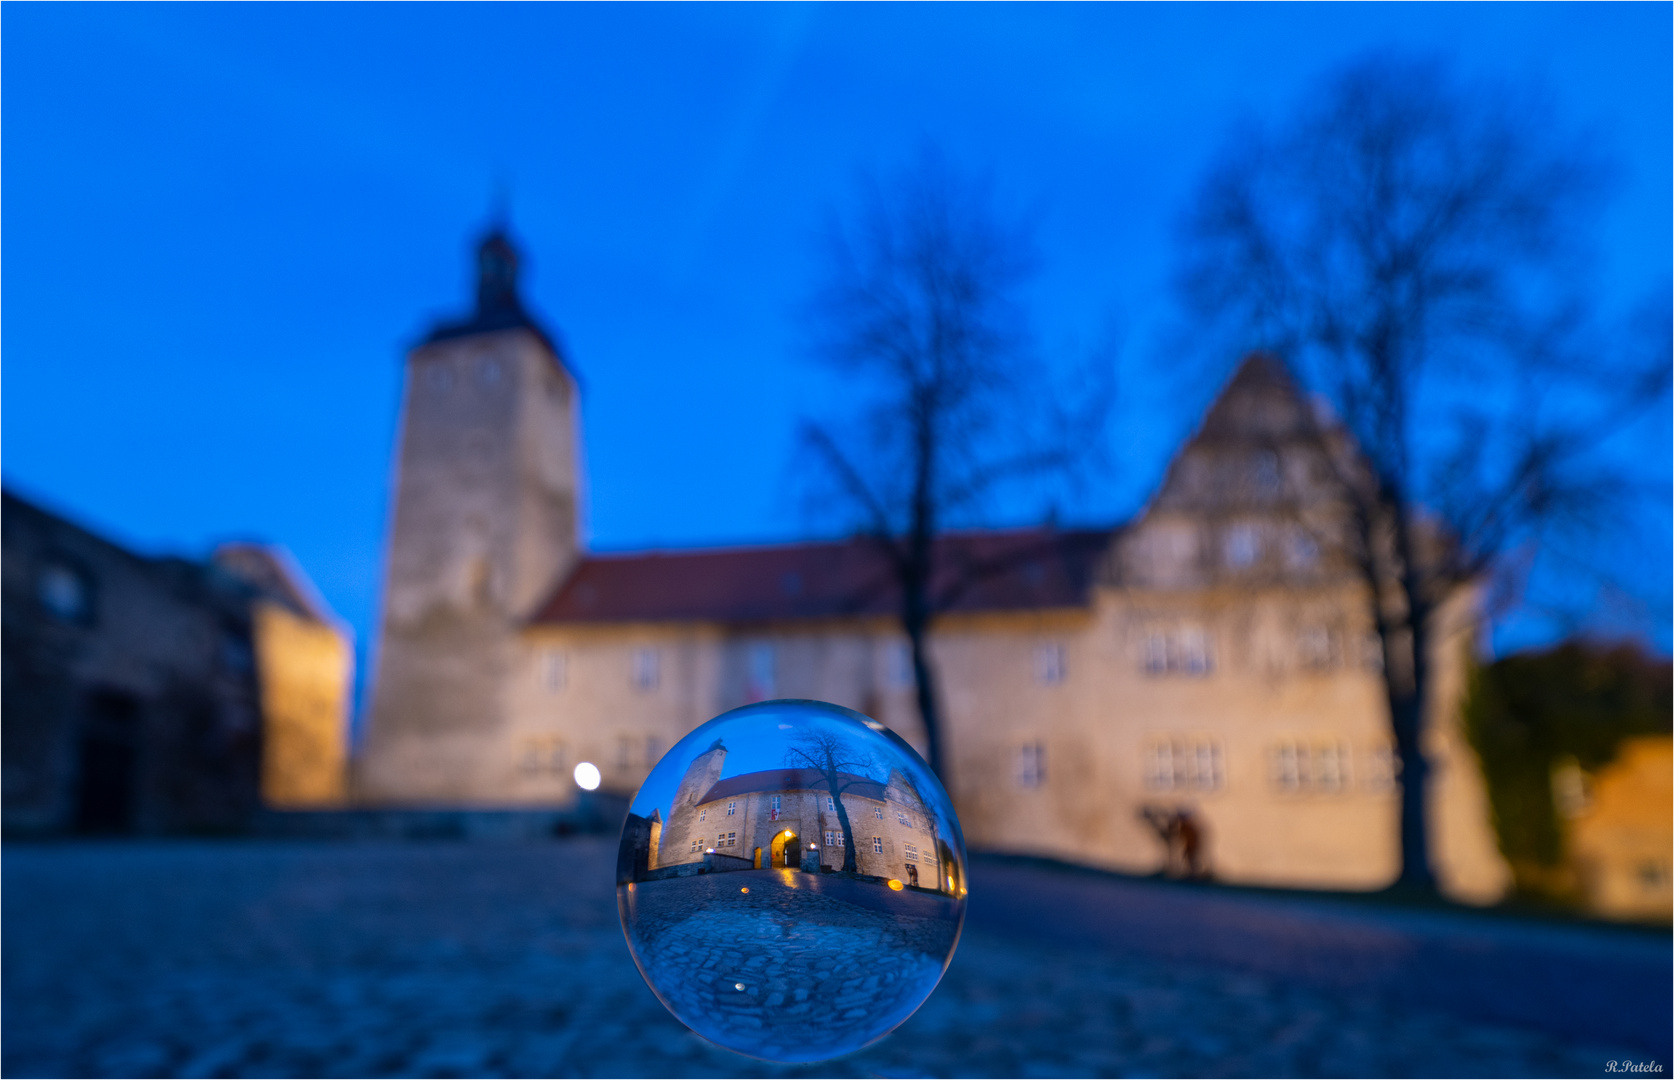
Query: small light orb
587	776
843	938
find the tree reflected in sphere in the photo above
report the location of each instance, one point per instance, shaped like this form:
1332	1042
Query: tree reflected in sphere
791	880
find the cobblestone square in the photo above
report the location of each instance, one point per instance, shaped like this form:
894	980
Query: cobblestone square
506	959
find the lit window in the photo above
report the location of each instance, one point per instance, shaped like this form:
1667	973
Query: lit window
732	808
828	840
877	845
1049	664
645	669
554	670
1031	765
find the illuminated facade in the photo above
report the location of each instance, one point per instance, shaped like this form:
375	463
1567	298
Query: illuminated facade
1211	656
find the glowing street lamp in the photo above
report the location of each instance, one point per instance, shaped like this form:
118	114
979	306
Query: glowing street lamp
587	776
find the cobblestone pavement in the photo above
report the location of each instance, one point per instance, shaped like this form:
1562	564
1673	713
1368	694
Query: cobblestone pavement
443	959
751	958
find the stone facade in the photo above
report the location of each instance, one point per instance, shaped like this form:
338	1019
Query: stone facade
484	523
1620	837
137	690
1211	656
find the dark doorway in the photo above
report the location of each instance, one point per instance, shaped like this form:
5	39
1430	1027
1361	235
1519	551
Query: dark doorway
793	852
109	756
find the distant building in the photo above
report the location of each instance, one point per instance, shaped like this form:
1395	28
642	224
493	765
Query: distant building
159	695
1621	833
787	818
1213	655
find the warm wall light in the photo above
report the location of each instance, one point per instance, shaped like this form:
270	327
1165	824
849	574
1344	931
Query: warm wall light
587	776
895	885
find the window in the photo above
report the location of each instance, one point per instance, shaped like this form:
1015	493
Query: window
1381	769
775	804
1317	647
760	665
1156	654
544	755
1296	766
898	664
554	670
439	378
828	841
877	812
829	805
1181	651
1049	664
697	845
1180	764
488	371
911	852
63	592
1301	549
877	845
645	669
703	815
732	808
625	752
903	819
732	839
1243	546
1031	765
838	841
1264	473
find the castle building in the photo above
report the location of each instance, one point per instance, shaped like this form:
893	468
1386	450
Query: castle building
787	818
1211	657
162	695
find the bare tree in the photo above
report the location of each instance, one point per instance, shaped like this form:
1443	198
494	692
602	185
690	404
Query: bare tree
1410	245
843	767
920	306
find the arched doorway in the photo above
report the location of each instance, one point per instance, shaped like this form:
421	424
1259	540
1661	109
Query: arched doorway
786	851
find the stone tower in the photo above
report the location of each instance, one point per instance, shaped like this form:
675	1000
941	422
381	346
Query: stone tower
484	524
701	775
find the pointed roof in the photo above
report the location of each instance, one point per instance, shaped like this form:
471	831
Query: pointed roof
499	304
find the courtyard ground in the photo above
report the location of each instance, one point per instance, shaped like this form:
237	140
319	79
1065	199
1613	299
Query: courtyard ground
449	958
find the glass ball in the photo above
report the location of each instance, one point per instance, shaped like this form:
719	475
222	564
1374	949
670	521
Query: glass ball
791	880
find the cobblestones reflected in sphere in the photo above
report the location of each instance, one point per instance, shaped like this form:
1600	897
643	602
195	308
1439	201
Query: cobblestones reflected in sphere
791	880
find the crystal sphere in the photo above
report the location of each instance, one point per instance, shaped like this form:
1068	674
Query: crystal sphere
791	880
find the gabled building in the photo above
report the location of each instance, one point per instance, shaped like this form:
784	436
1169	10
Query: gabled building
1210	659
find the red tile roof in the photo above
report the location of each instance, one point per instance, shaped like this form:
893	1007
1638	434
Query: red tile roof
790	780
1010	570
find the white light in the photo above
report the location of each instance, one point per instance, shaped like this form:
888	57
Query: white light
587	776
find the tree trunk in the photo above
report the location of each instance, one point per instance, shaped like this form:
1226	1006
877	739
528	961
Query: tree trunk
1408	712
849	863
929	707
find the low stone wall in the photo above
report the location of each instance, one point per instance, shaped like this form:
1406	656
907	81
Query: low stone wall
594	813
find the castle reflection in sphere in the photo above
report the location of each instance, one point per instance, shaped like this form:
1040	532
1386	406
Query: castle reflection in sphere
792	880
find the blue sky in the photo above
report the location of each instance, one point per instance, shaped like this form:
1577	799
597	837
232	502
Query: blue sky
224	224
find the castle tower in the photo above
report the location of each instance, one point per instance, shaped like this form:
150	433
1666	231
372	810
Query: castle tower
484	524
701	775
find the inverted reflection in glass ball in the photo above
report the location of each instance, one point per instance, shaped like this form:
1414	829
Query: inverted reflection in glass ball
791	880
